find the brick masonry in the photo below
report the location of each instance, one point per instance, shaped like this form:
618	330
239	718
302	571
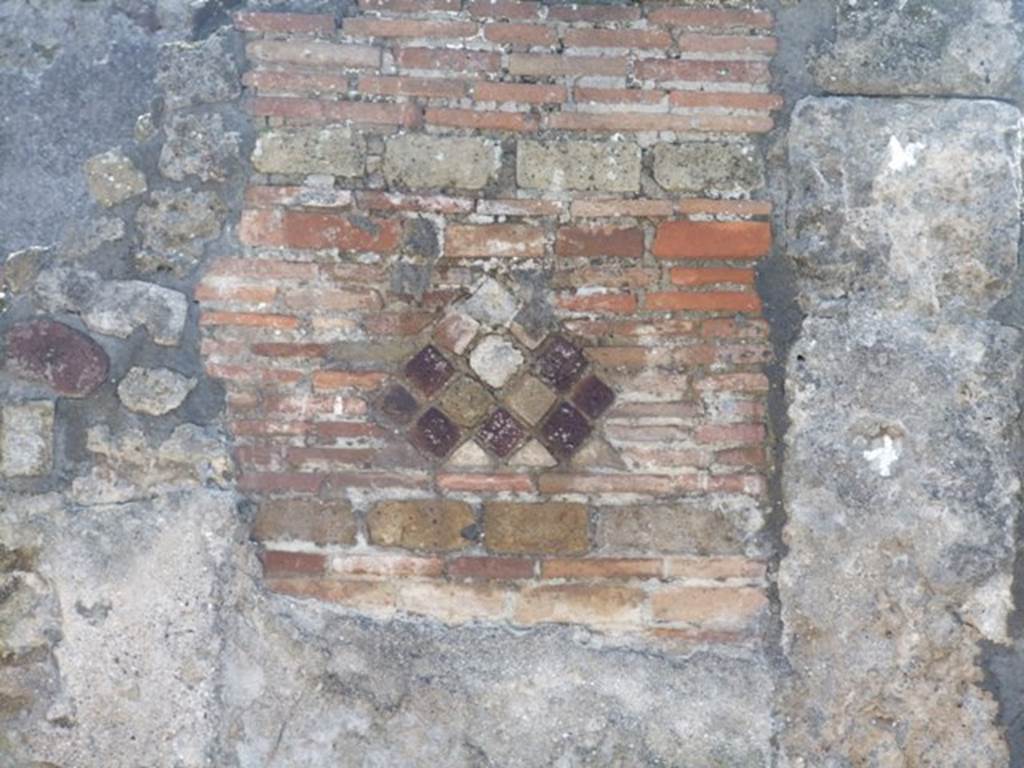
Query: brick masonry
493	349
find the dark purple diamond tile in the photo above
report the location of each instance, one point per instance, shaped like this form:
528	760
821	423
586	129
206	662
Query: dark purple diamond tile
429	370
500	433
564	430
593	396
560	363
435	433
398	404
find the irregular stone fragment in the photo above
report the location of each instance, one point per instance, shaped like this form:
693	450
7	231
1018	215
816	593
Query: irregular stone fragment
495	360
197	73
416	160
20	268
117	307
709	169
491	303
333	149
154	391
174	226
422	525
26	439
197	145
113	178
84	238
455	332
611	166
67	360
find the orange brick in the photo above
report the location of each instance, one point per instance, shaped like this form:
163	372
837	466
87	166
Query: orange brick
321	522
313	230
605	276
491	120
280	482
453	603
606	303
493	240
710	301
386	565
580	604
249	319
617	38
714	568
734	382
600	241
362	595
647	485
276	562
730	434
273	197
503	9
687	276
295	83
720	19
266	268
254	21
742	457
713	240
451	61
519	207
525	93
374	27
312	110
520	34
550	528
483	483
333	380
611	208
646	121
619	96
700	71
601	568
314	53
733	44
716	607
596	14
427	87
384	201
339	299
738	328
289	349
505	568
725	100
246	294
410	6
554	65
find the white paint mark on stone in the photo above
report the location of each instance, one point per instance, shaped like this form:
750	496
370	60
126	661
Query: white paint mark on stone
903	157
882	457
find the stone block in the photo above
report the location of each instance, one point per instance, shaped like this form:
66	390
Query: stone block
198	145
113	178
333	149
709	169
26	439
421	525
545	528
154	391
612	166
321	522
415	160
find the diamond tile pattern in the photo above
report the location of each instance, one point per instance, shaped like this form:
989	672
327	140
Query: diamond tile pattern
549	398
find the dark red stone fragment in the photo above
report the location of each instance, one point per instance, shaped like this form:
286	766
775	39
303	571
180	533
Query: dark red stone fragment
565	430
560	363
500	433
429	370
70	362
435	433
593	396
398	404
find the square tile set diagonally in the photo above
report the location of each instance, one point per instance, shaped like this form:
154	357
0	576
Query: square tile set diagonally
493	349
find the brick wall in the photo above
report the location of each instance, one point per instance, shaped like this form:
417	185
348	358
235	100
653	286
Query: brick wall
493	349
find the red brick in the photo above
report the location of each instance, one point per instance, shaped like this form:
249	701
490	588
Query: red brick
580	604
732	44
688	276
712	240
734	382
240	293
710	301
388	480
493	240
600	241
254	21
725	100
339	299
361	112
490	568
720	607
276	563
308	459
620	275
451	61
491	120
518	207
751	485
280	482
503	9
730	434
734	567
252	375
720	19
612	208
427	87
619	96
485	483
525	93
607	303
617	38
397	323
266	268
289	349
734	328
453	602
249	319
645	121
313	230
387	565
346	429
553	65
742	457
597	14
652	485
695	70
601	568
520	34
276	197
367	596
314	53
725	207
410	6
328	381
375	27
